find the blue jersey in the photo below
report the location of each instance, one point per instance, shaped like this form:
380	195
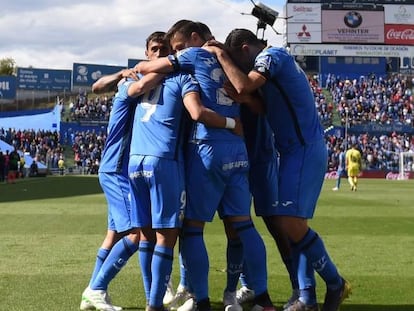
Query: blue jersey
116	152
158	122
263	173
211	77
290	104
258	136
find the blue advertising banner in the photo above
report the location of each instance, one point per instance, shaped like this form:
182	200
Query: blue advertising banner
87	74
7	87
44	79
379	129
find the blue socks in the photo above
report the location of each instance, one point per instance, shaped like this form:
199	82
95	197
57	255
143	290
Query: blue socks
100	258
161	268
314	257
306	281
183	273
256	264
117	258
234	264
195	257
145	252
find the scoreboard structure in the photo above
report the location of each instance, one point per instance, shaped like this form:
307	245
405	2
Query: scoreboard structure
351	38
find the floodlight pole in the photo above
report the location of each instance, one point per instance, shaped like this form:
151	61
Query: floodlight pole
401	173
346	127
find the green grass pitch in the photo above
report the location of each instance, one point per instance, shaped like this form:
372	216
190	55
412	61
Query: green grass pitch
50	229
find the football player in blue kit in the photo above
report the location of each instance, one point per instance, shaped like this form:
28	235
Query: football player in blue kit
113	175
156	169
292	115
217	180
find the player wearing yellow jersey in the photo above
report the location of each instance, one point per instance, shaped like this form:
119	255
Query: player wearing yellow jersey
353	166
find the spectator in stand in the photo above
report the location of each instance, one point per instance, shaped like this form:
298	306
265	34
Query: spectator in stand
14	159
22	169
2	166
34	169
6	165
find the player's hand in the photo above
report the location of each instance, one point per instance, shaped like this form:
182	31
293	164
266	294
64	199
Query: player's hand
130	73
214	43
215	47
212	49
136	68
255	104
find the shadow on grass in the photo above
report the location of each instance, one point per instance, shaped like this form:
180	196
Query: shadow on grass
347	307
350	307
49	187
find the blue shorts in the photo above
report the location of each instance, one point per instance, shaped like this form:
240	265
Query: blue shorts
217	180
263	180
158	196
116	189
301	175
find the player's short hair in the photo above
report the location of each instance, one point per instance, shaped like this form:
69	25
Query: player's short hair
157	36
237	37
205	31
187	27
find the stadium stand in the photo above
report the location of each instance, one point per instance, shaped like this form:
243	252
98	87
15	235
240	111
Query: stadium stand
369	100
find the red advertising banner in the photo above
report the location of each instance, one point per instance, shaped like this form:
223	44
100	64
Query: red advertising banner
399	34
375	174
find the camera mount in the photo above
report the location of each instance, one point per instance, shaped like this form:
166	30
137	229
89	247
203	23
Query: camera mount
265	15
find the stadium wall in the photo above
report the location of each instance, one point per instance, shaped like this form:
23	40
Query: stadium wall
33	120
374	174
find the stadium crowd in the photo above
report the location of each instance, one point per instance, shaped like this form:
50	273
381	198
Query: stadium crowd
42	145
378	152
324	106
382	101
45	147
371	99
87	108
87	149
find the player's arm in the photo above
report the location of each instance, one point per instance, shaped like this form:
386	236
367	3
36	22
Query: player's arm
210	118
243	83
145	84
109	83
160	65
252	100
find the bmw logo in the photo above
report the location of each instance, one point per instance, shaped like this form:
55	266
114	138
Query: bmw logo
353	19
